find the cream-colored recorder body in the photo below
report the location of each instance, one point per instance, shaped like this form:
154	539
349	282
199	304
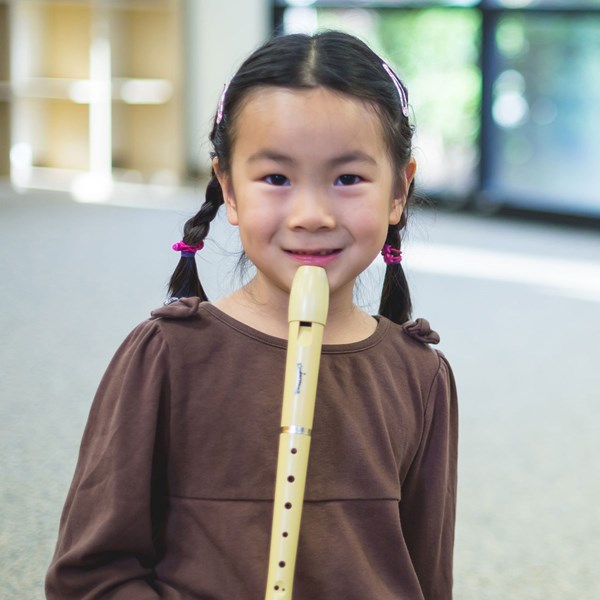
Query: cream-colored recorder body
307	314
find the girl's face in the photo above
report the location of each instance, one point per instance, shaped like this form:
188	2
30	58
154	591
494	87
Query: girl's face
310	183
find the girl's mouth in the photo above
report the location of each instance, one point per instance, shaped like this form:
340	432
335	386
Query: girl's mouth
313	252
318	258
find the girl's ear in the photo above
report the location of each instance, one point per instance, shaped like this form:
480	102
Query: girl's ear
228	195
399	202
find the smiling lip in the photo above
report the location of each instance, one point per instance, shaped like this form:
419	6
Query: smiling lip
318	258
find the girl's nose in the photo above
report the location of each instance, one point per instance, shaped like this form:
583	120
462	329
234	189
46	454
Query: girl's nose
311	209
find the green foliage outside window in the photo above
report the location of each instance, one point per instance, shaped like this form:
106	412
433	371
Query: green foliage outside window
436	52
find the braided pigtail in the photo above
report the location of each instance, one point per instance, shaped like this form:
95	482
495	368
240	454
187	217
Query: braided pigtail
185	281
396	303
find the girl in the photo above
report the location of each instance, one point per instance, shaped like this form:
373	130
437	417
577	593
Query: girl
172	494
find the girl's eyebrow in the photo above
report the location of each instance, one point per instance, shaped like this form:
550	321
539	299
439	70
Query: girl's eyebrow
352	156
270	155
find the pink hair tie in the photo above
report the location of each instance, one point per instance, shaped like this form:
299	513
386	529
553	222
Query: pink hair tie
391	255
187	250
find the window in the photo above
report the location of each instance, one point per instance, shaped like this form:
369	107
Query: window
544	148
525	130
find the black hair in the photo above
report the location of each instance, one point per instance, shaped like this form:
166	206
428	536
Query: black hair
333	60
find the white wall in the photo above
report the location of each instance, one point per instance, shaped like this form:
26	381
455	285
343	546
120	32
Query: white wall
219	35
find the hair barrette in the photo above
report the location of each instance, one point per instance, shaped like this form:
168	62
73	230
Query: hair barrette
221	105
401	90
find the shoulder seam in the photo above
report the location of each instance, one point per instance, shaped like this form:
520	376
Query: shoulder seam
434	378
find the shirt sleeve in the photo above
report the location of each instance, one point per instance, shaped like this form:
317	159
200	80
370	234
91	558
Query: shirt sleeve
106	543
428	498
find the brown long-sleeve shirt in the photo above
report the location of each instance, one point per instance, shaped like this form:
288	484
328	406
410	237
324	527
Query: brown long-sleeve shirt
172	494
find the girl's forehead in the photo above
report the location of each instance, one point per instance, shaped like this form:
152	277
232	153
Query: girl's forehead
318	97
288	115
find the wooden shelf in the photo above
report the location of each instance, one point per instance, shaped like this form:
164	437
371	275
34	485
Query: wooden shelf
5	91
146	139
4	43
142	91
145	42
82	91
51	39
94	86
4	139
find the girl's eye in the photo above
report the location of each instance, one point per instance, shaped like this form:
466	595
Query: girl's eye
277	180
348	180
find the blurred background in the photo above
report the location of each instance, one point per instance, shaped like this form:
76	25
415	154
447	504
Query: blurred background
105	107
504	92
